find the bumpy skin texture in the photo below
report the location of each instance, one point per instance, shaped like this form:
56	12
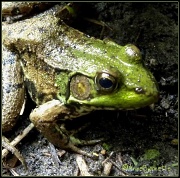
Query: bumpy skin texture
12	89
61	63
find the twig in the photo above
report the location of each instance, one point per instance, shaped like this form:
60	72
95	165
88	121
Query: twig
18	138
82	166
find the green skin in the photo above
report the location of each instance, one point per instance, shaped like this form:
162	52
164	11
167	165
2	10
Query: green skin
62	69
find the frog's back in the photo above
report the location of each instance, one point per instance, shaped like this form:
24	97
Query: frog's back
59	45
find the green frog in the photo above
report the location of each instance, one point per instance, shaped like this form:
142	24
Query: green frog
68	74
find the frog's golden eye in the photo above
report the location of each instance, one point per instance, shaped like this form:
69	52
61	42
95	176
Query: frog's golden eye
105	82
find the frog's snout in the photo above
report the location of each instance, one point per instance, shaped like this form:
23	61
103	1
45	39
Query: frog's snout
151	91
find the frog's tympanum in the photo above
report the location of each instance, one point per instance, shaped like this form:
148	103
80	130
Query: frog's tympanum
68	74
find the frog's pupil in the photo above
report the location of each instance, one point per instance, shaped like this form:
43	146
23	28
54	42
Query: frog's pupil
105	82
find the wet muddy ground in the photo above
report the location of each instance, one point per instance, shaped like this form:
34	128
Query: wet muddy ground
140	142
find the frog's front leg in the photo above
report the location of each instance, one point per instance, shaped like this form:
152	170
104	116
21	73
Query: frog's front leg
47	119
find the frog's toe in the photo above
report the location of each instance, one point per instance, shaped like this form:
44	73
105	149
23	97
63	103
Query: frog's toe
75	149
77	141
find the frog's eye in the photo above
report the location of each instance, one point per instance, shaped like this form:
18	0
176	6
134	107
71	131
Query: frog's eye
105	82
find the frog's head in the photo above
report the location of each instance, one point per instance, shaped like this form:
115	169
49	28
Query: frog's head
120	83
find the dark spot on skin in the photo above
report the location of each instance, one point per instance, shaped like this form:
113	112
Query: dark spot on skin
57	70
29	52
15	11
10	60
46	68
42	30
54	95
40	97
36	66
12	87
112	56
21	73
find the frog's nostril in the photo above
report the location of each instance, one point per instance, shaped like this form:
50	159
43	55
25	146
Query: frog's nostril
139	90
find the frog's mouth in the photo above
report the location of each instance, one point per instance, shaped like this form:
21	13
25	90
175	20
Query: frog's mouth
127	101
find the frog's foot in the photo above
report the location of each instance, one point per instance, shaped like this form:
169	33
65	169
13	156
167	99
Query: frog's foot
75	141
6	144
72	142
